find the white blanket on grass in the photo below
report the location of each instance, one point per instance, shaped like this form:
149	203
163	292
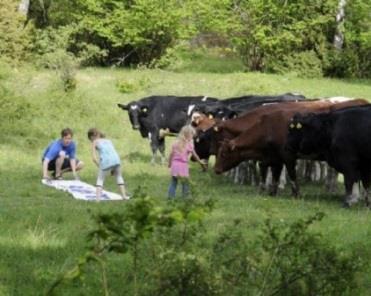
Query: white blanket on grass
80	190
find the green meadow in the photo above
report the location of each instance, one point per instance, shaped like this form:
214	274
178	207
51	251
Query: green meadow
43	231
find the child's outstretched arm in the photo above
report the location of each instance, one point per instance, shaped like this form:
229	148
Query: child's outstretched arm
94	153
195	156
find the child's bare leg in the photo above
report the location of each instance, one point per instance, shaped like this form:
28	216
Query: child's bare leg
100	181
123	191
59	163
120	181
98	193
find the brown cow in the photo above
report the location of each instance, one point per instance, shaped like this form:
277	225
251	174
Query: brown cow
264	137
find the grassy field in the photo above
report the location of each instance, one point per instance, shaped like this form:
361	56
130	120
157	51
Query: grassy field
43	231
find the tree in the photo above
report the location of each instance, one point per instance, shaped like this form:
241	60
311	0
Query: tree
23	7
339	35
15	38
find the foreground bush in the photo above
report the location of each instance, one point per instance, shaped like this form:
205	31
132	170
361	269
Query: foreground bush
171	254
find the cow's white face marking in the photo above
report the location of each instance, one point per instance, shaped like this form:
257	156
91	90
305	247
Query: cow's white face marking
204	99
190	109
134	107
196	117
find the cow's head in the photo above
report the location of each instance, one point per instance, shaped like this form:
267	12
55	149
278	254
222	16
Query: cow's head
219	111
227	157
136	110
305	134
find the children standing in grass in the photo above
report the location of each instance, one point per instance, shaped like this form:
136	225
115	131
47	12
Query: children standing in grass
109	161
178	160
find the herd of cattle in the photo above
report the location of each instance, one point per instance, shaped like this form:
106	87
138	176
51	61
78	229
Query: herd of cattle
276	131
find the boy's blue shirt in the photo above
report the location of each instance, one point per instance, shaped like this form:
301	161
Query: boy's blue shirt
52	151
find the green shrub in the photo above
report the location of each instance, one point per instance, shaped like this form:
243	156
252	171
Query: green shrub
128	86
15	37
341	64
286	258
65	64
132	32
16	113
185	273
304	64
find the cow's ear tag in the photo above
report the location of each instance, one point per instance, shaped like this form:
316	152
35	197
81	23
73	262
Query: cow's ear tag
298	125
211	116
292	125
144	109
216	128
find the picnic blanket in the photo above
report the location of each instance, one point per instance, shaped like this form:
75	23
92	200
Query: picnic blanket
80	190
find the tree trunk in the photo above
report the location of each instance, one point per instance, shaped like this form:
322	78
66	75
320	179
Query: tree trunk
23	7
339	34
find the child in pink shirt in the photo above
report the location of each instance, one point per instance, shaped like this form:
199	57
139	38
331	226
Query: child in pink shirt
178	160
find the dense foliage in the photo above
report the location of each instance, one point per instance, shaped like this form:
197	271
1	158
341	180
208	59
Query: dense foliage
15	38
268	35
287	259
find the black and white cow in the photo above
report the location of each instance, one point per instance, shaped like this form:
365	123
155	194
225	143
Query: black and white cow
152	114
342	138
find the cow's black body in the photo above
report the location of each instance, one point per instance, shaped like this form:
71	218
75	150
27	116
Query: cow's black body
153	113
232	107
342	138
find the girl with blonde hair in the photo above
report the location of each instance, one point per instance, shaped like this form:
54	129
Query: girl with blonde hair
179	158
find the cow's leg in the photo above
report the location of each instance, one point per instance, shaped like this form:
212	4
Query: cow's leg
309	166
157	143
351	191
331	179
161	147
153	144
290	166
283	179
276	173
316	171
263	167
254	173
366	180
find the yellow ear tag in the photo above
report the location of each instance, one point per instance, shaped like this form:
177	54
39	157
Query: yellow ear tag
298	125
144	110
211	116
292	125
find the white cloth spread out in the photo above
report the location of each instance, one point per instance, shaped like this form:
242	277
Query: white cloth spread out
81	190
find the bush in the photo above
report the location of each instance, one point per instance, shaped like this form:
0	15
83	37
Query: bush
16	113
132	32
304	64
128	86
185	273
65	64
15	37
285	259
